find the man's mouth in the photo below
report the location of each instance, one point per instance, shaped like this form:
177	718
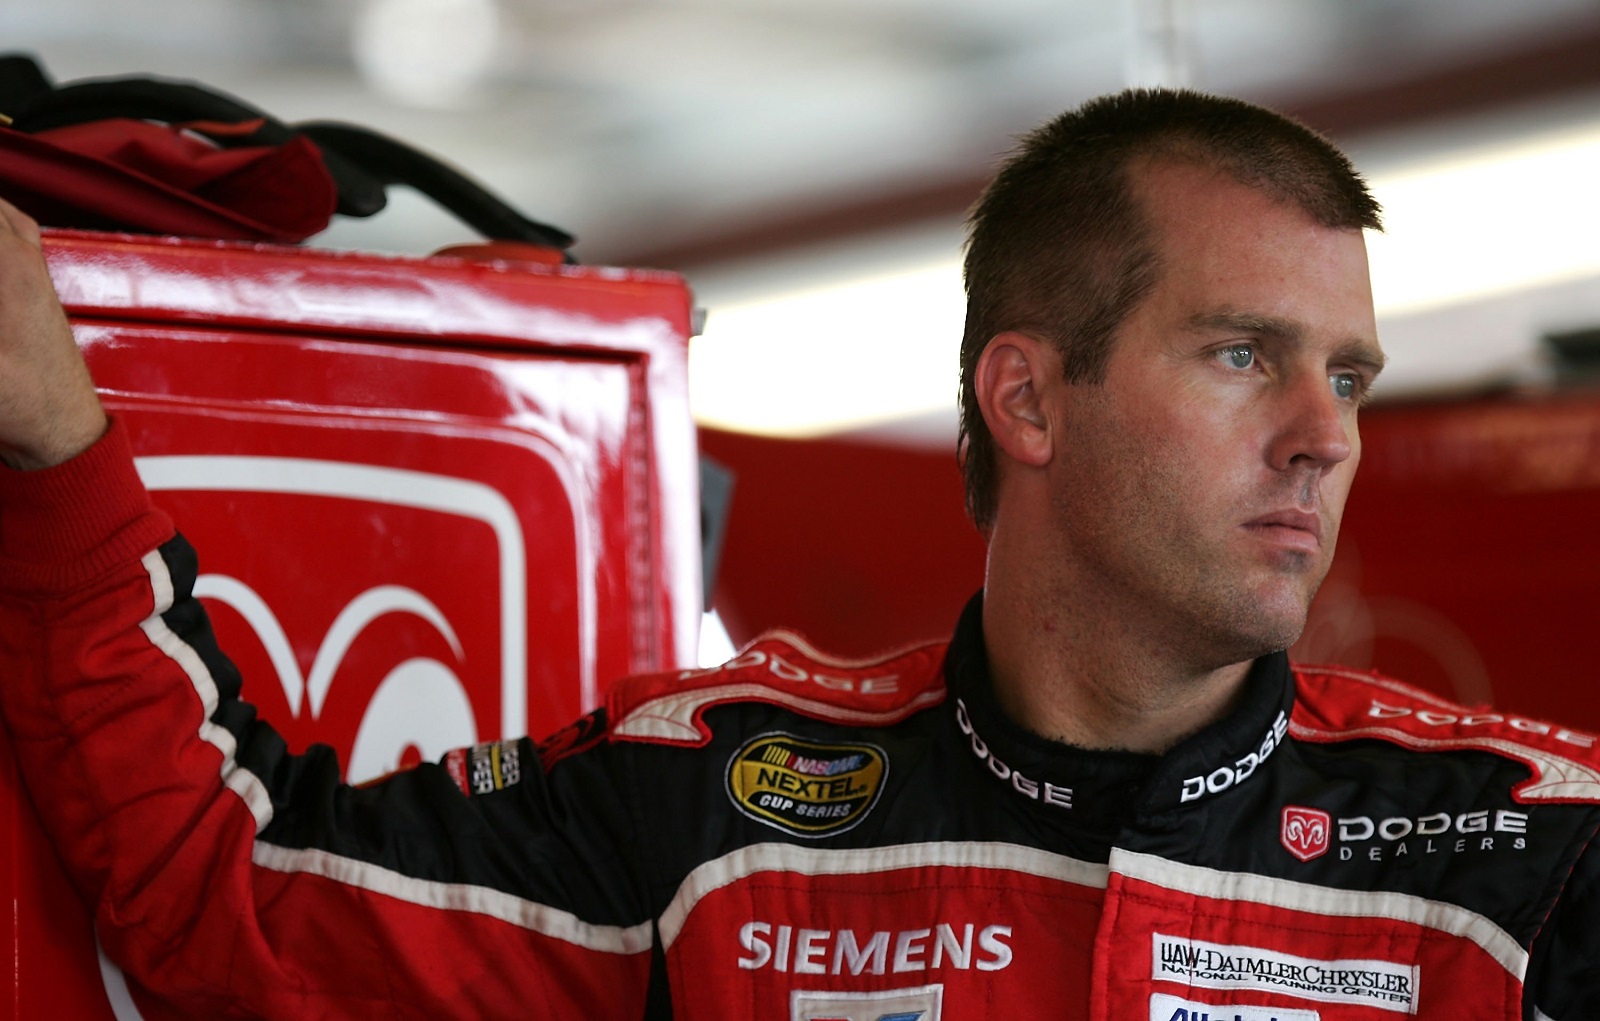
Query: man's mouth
1290	529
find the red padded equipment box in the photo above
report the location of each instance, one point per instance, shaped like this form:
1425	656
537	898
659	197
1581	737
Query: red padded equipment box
437	502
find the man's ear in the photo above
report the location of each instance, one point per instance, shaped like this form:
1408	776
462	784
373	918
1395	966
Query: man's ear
1013	374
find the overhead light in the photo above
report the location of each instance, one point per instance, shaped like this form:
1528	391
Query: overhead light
883	346
426	53
1497	219
716	647
873	350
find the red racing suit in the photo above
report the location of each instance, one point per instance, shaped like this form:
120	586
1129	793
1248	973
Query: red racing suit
786	836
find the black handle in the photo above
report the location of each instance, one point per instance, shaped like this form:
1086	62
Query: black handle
389	161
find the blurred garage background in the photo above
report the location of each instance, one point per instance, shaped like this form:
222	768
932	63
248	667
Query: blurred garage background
807	165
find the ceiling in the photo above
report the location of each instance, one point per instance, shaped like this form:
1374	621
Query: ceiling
721	136
660	127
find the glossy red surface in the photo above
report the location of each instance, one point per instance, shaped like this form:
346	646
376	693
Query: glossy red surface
437	502
858	547
1470	558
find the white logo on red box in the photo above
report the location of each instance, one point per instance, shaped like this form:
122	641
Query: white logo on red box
421	702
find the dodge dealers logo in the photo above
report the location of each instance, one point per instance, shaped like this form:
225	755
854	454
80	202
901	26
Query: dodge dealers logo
1305	832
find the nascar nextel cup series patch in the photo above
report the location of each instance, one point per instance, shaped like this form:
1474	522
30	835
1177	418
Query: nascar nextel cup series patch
803	787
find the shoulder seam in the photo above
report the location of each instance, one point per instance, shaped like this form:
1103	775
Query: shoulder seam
805	648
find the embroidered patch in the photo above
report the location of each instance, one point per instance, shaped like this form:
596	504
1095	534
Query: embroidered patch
1305	831
803	787
485	768
922	1003
1173	1008
1387	985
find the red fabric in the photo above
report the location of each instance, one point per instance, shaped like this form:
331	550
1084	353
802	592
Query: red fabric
748	944
1369	948
42	549
124	174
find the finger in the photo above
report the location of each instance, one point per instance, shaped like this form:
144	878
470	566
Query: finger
20	223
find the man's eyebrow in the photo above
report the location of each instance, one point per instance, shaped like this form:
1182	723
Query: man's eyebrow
1231	320
1356	350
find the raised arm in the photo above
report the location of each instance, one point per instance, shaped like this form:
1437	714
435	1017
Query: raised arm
49	412
225	874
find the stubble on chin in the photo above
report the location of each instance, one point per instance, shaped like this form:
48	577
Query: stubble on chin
1256	620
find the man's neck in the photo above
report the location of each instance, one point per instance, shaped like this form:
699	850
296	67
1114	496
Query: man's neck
1093	679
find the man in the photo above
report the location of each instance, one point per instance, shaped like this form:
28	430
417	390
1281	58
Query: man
1110	796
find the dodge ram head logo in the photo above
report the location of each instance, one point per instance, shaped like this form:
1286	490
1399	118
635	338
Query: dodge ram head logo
1305	832
383	611
421	702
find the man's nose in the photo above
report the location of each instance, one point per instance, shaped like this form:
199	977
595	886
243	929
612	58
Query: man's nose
1315	428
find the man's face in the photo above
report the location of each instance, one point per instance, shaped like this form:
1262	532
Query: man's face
1200	487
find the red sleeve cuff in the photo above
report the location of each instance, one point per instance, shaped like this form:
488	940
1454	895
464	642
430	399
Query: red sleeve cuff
65	526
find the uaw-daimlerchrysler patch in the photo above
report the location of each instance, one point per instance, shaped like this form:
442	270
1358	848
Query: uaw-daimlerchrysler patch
805	787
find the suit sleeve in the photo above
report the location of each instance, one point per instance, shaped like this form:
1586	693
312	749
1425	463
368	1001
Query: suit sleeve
1563	982
231	878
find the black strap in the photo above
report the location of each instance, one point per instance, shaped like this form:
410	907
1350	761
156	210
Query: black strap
21	81
389	161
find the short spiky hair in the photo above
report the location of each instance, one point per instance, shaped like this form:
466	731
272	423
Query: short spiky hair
1058	247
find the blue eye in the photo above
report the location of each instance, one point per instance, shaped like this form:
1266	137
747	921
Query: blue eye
1239	356
1345	385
